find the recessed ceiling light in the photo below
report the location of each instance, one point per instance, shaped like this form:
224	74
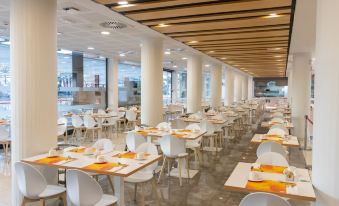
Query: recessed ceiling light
272	15
236	65
192	42
274	49
122	2
211	52
184	58
207	65
223	58
175	66
279	60
90	48
167	52
105	33
64	51
278	56
162	25
6	43
59	33
122	54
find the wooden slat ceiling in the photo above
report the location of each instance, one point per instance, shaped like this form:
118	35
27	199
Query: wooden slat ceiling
251	35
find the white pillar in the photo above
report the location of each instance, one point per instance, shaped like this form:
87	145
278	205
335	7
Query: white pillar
325	164
229	87
250	87
151	81
216	84
238	88
112	79
290	85
300	92
33	34
175	87
194	84
244	87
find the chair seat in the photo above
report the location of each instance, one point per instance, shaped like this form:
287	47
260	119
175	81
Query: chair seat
139	177
107	200
52	190
108	124
191	145
182	155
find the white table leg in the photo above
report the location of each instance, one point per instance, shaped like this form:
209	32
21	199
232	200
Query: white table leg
119	189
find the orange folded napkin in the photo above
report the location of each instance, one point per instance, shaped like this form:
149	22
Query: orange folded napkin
270	169
268	186
103	166
81	150
53	160
129	155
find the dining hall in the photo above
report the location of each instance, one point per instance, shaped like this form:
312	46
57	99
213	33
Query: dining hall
169	103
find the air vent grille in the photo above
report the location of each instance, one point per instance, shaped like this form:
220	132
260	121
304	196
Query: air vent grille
113	25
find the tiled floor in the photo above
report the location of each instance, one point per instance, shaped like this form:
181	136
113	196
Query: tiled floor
206	188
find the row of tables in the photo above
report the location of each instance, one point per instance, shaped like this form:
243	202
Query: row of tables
273	179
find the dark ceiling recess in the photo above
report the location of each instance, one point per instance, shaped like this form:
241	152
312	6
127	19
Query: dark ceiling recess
251	35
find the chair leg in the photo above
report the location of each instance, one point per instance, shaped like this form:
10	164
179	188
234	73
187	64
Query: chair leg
142	194
188	168
154	186
179	170
64	199
162	169
135	191
24	200
110	182
42	202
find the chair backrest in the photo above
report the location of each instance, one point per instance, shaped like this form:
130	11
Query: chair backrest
277	131
277	119
195	126
4	134
172	146
263	199
30	181
281	126
89	122
133	141
82	189
270	147
112	120
101	111
62	126
151	149
205	125
164	125
104	145
278	114
272	158
77	121
89	111
179	123
131	115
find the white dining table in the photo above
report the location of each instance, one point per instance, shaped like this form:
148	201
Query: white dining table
80	161
302	190
291	141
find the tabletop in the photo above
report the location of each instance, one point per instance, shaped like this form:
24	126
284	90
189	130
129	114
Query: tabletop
273	182
291	141
119	163
186	134
211	120
288	125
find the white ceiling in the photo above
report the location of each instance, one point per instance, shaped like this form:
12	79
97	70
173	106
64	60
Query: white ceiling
82	30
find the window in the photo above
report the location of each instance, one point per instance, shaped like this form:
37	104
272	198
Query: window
94	72
129	85
5	81
182	86
167	87
207	86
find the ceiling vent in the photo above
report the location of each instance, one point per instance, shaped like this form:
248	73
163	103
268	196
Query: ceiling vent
113	25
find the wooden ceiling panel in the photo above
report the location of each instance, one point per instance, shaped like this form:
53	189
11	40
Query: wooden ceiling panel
252	35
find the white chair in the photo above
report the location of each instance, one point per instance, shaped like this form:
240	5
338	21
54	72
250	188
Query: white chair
78	126
276	131
147	174
194	145
104	145
101	111
164	125
272	158
271	147
173	149
133	141
210	136
5	141
33	186
91	126
121	119
131	117
111	123
263	199
83	190
179	123
62	128
282	127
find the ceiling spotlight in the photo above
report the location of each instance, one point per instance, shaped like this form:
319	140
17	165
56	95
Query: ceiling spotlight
223	58
211	52
105	33
59	33
192	42
175	66
122	54
184	58
90	48
278	56
162	25
274	49
207	65
279	60
236	65
122	2
167	52
273	15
